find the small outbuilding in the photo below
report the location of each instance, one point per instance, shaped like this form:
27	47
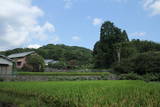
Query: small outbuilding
6	65
50	61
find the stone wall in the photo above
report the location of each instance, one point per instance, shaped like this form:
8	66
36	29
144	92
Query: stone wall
56	78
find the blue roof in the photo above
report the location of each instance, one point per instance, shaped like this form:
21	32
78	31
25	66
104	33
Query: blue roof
18	55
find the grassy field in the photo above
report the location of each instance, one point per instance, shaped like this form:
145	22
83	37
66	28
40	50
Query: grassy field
63	73
81	94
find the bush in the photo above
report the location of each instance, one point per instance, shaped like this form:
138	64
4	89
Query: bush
126	66
36	62
151	77
130	76
147	63
141	64
59	65
27	68
1	79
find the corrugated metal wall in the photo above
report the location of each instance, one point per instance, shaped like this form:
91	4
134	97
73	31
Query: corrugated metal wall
5	66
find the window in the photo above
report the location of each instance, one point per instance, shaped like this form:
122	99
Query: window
19	63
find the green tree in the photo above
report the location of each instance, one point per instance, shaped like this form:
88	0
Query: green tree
141	63
36	62
104	52
145	46
124	50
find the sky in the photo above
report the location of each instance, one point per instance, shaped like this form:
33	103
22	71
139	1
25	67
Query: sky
34	23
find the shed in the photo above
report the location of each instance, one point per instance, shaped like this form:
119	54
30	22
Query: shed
6	65
51	61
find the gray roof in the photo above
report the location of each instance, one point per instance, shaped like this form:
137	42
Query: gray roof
18	55
50	61
5	57
5	60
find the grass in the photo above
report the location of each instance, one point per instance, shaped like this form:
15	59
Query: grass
63	73
121	93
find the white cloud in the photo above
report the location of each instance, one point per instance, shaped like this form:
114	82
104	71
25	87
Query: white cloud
97	21
40	31
35	46
75	38
48	26
19	24
68	3
153	5
138	34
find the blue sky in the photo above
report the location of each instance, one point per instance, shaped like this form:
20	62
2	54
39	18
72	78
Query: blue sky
33	23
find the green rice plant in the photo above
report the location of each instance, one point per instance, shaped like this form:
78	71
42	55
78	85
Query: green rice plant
118	93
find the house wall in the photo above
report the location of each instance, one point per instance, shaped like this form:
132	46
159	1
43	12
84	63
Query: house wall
5	66
5	69
22	60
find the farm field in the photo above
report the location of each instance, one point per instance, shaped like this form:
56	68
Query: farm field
118	93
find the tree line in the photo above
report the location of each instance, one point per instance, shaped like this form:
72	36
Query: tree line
115	50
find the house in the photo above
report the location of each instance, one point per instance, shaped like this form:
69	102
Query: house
6	65
20	58
51	61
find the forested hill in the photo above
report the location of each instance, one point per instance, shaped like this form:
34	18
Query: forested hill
58	52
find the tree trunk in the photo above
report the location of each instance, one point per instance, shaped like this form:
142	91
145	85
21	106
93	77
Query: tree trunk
119	55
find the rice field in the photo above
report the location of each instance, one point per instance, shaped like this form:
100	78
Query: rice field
119	93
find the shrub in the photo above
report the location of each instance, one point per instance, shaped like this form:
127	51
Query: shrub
126	66
130	76
151	77
147	63
1	79
59	65
36	62
27	68
141	64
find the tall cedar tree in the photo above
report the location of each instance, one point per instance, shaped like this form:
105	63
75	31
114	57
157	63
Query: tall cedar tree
104	50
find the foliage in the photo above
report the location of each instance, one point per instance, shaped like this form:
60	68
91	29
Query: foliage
115	46
104	51
86	67
141	64
130	76
66	53
72	64
151	77
145	46
126	49
126	66
82	93
71	73
36	62
1	79
58	65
